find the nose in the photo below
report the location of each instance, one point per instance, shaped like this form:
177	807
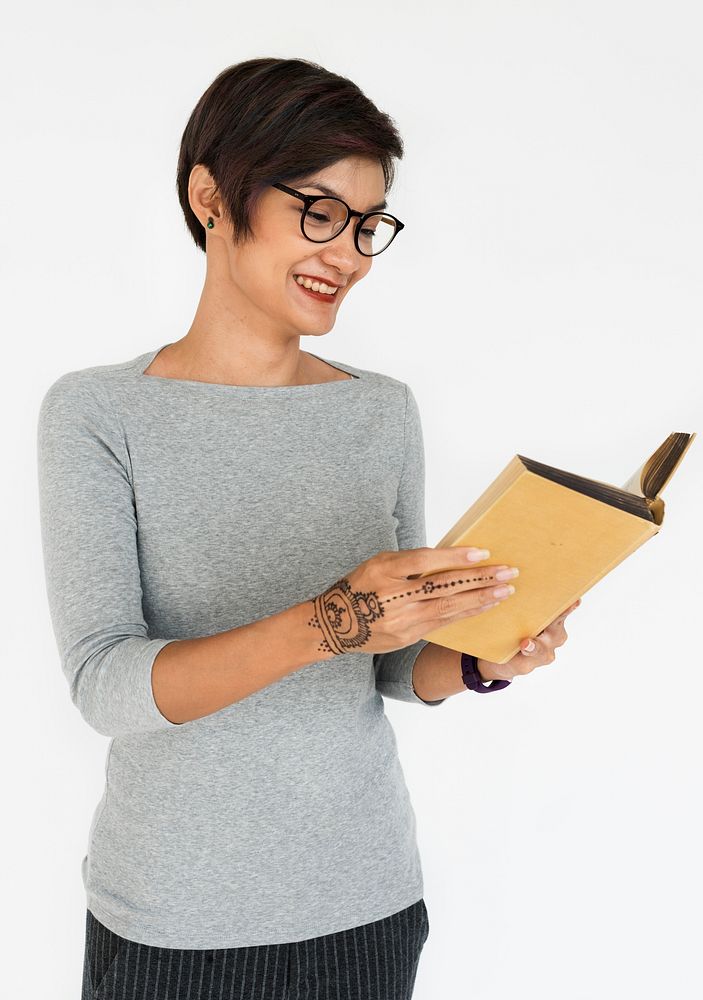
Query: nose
341	252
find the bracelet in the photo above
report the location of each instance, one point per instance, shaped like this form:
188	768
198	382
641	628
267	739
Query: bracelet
472	678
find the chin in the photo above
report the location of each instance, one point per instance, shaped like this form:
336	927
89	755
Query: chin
316	331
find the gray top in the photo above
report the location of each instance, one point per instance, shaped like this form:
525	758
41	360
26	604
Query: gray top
171	509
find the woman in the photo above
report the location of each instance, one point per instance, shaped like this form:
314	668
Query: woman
229	527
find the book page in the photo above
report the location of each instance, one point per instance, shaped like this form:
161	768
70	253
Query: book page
634	483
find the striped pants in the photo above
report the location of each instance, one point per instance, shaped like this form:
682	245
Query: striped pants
376	961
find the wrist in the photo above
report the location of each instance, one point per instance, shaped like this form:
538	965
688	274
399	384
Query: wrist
493	671
481	670
305	638
484	671
480	680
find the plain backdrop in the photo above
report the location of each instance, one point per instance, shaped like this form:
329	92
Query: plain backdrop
544	299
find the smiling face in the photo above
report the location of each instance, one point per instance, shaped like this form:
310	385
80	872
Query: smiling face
257	277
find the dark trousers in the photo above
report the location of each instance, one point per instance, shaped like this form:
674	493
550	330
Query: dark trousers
376	961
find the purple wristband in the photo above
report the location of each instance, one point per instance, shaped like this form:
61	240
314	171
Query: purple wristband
472	677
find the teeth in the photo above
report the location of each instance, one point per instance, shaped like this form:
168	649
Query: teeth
316	286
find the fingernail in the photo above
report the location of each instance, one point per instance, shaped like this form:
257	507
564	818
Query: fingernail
507	574
529	647
476	555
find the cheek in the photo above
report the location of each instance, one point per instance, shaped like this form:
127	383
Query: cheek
267	274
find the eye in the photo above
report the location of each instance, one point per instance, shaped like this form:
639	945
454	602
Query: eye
318	216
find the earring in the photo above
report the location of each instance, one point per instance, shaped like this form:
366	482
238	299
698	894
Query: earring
210	223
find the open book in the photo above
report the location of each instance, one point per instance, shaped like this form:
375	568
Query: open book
564	533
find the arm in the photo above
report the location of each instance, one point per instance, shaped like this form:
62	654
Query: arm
195	677
424	672
394	670
437	672
89	540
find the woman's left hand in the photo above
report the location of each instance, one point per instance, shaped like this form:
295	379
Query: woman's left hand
533	652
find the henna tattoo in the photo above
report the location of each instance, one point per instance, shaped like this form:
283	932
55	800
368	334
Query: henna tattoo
344	616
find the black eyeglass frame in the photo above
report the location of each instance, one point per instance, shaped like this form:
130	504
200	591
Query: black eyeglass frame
310	199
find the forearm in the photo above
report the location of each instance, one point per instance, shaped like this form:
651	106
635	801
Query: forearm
437	672
192	678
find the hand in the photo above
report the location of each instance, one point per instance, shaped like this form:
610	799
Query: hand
382	605
533	652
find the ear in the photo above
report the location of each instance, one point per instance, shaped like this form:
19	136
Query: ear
203	195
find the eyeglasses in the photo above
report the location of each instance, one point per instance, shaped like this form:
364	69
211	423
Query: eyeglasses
324	218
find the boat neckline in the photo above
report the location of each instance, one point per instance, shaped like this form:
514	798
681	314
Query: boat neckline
228	387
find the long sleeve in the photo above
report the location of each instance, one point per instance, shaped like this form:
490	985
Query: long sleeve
394	669
89	539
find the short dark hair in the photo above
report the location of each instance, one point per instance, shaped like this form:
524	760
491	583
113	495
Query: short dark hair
269	120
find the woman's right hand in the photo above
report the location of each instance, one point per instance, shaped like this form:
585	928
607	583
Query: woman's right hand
383	605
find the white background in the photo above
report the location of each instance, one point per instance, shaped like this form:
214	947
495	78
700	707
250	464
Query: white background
544	299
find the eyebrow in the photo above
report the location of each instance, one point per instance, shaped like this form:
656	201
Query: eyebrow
335	194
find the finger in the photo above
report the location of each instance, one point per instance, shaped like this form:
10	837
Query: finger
537	648
409	564
560	618
558	634
531	647
448	584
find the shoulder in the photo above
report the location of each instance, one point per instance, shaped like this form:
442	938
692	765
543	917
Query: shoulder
73	392
83	395
393	390
395	398
95	381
